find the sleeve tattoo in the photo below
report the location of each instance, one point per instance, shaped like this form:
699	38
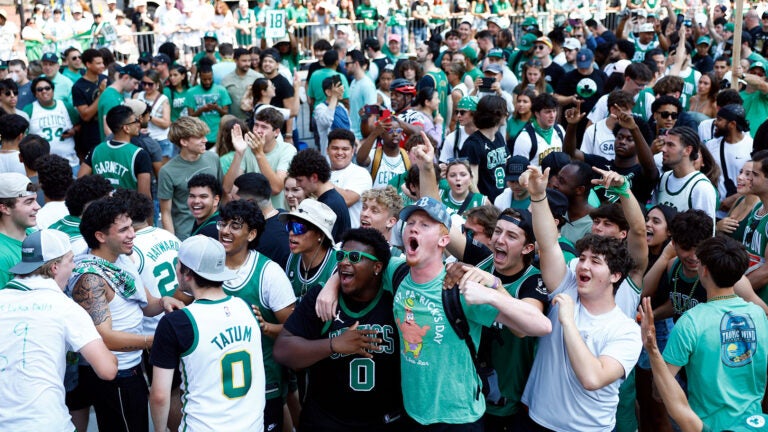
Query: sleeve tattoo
90	293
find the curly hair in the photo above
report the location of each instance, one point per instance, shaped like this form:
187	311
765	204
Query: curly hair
84	190
248	213
370	237
387	197
205	180
614	252
308	162
140	207
99	216
690	228
725	258
54	175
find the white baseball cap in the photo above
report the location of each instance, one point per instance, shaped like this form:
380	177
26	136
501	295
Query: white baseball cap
206	257
39	248
15	185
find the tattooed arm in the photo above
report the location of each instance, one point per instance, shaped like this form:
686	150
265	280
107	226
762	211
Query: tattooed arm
91	292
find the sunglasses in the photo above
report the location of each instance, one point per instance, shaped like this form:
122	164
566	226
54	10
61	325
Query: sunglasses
667	114
458	159
73	58
42	89
144	62
298	228
461	112
131	123
11	92
147	84
396	131
354	256
233	225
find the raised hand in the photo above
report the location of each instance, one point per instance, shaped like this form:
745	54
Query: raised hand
535	181
608	179
354	341
574	115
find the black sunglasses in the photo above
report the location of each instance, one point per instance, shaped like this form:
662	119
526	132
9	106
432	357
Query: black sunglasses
667	114
42	89
11	92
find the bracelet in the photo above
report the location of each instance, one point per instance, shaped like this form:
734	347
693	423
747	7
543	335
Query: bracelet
330	342
539	200
622	190
495	283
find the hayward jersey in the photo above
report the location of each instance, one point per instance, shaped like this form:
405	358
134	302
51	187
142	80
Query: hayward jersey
300	279
219	345
154	252
51	123
262	283
350	392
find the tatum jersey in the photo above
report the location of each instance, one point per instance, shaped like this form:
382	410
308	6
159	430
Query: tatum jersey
262	283
219	344
154	252
51	123
300	280
350	392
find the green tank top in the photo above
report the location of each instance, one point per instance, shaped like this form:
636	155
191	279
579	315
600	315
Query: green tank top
755	240
250	291
441	85
115	163
301	284
689	89
475	200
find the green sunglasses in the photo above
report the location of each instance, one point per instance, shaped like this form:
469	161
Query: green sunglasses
354	256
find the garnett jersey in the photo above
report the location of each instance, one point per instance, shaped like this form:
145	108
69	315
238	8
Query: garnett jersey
301	283
219	344
116	163
51	123
155	253
262	283
350	392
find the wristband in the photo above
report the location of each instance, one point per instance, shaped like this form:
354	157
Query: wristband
622	190
538	200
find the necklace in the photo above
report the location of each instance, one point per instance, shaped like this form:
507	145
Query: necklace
305	270
678	308
722	297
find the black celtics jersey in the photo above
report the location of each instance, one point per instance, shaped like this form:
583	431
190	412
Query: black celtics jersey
350	392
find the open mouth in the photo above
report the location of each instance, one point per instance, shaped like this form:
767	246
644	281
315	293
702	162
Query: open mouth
411	246
346	276
499	255
365	224
584	279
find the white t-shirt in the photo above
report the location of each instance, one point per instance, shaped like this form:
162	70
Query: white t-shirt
600	110
707	130
735	156
9	162
38	327
449	149
50	213
358	180
598	140
522	145
552	377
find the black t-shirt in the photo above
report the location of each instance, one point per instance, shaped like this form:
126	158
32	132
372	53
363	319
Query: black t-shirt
490	158
335	201
423	9
587	87
283	90
273	242
340	396
641	185
175	334
84	92
703	64
553	74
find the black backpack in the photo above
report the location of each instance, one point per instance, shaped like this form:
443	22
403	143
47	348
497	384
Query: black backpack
454	313
534	142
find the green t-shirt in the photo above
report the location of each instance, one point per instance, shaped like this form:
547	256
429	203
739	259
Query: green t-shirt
72	75
197	97
172	185
756	240
178	103
279	158
315	88
439	380
473	74
756	106
370	13
109	99
300	14
393	57
201	54
10	255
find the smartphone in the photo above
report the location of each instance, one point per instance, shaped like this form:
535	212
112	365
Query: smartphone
371	110
680	21
385	115
662	131
633	14
531	87
487	83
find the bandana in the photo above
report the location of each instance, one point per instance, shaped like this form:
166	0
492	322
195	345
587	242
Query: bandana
544	133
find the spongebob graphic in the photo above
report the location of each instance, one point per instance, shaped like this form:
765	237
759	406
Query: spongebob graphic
411	333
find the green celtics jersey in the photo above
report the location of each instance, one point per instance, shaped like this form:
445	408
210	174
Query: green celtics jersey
475	200
441	85
690	83
70	225
245	38
439	380
115	163
298	276
262	283
756	240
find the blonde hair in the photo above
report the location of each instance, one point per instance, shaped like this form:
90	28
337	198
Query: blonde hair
46	270
387	197
185	128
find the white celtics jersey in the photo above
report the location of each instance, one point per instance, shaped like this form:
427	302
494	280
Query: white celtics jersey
223	372
154	252
51	123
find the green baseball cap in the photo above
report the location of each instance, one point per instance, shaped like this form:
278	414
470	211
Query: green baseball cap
470	53
527	42
468	103
704	40
729	27
530	21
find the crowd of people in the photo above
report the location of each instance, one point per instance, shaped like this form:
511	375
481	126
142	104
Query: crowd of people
494	228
